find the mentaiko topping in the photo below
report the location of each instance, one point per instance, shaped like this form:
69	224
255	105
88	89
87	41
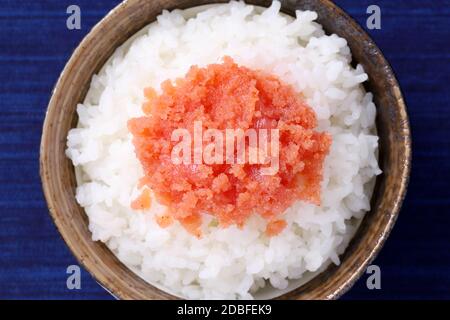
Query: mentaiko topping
220	98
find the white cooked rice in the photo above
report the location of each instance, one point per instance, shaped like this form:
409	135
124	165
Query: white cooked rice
226	263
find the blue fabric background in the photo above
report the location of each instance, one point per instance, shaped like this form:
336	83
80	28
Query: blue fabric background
35	45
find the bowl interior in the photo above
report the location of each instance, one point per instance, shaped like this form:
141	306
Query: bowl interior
127	19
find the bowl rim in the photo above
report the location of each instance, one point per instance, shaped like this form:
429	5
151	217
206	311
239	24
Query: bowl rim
369	257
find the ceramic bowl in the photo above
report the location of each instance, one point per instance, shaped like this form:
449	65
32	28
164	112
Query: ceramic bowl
58	177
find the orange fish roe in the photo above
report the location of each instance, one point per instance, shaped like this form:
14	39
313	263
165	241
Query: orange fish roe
142	202
275	227
229	96
164	220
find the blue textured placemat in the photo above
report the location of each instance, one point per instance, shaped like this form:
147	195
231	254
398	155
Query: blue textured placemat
34	46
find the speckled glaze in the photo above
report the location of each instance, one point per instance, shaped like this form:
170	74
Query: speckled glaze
58	177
